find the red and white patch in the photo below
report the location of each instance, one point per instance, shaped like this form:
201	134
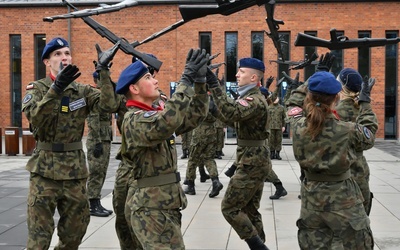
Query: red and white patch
295	111
249	98
161	103
243	103
30	86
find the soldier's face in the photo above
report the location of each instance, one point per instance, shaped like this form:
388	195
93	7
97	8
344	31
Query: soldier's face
147	87
246	76
56	57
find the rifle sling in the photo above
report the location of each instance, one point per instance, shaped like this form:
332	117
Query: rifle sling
159	180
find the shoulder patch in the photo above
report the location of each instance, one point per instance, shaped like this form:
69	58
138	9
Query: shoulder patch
367	133
296	111
138	112
149	113
161	103
30	86
243	103
27	98
249	98
164	97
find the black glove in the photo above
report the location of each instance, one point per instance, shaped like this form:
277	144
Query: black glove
269	81
64	77
292	83
196	67
98	150
105	57
211	79
365	92
325	62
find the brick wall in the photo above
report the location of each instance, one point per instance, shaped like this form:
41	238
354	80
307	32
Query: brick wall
139	22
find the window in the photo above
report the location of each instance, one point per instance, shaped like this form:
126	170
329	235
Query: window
231	46
205	41
364	56
391	78
338	64
309	50
15	63
257	45
40	68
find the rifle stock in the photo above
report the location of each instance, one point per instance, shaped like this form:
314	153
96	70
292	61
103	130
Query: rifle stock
273	26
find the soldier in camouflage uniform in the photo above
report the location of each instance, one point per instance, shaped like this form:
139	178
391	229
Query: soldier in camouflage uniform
186	139
248	115
202	152
56	108
98	145
277	124
155	196
332	214
348	110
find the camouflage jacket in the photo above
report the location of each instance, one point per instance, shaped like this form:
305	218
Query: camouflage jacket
248	115
149	149
99	127
277	116
60	119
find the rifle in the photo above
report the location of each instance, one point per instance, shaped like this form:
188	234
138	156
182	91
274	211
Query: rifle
342	42
273	26
125	46
296	65
216	65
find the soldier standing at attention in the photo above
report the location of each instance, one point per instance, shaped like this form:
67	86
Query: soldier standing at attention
98	145
325	147
277	126
348	110
155	196
248	115
56	108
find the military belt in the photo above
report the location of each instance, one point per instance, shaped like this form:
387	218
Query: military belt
323	177
159	180
251	143
105	123
59	147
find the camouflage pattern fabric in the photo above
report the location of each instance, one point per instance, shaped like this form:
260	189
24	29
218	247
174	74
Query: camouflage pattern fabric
202	148
219	125
347	111
272	176
332	208
60	119
148	147
186	140
277	116
248	115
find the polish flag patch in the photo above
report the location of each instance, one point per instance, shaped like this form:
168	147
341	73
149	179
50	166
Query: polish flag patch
243	103
296	111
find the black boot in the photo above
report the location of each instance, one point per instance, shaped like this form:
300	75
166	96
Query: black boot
104	209
203	175
272	156
231	171
277	156
218	155
280	191
216	187
185	182
95	209
190	188
185	154
255	243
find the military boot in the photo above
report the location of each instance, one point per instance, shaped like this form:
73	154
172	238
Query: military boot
185	154
280	191
231	171
218	155
216	187
255	243
96	210
203	175
272	155
104	209
190	188
277	156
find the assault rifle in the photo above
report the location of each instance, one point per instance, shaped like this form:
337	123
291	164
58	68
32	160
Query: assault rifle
125	46
342	42
296	65
273	26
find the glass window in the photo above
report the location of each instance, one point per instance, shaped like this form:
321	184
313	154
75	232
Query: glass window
309	50
364	56
391	79
257	45
338	64
40	68
285	37
231	47
15	63
205	41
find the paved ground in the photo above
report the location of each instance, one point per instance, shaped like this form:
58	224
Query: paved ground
203	224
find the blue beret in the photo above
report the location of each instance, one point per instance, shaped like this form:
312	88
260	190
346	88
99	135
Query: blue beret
251	63
324	82
351	79
264	91
130	75
95	75
55	44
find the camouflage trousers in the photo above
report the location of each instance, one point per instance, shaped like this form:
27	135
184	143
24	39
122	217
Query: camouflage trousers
126	237
186	139
97	169
158	229
220	139
202	154
272	177
242	200
275	140
360	172
70	199
343	229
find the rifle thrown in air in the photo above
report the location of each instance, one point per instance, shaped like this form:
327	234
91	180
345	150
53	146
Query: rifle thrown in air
273	26
125	46
296	65
342	42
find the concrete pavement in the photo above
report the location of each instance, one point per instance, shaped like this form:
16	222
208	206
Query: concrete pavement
203	225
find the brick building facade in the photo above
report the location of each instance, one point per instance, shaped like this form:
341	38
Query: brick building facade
23	20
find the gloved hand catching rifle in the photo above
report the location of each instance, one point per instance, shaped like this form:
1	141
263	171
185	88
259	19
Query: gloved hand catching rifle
325	62
196	67
366	87
269	82
64	77
292	83
105	57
